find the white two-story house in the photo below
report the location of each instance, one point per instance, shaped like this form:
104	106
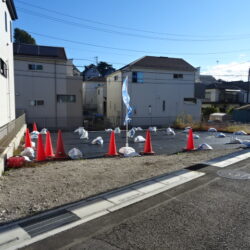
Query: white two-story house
160	88
48	89
7	92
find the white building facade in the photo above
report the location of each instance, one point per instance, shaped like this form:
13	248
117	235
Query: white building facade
7	91
47	89
90	93
160	88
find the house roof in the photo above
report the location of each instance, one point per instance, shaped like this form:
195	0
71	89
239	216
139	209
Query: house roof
245	107
207	79
160	62
39	51
12	9
223	85
96	79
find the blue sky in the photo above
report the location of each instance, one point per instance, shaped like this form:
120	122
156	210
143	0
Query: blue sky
189	29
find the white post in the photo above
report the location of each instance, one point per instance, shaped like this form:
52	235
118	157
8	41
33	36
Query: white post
126	130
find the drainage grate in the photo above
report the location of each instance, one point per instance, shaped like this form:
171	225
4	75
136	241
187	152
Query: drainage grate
44	224
234	174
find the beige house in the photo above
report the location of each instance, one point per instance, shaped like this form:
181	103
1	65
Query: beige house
7	92
48	88
91	93
160	89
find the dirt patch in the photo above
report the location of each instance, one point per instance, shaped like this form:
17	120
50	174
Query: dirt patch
26	191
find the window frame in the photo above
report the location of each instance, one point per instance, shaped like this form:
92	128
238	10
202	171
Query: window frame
136	78
3	68
60	97
177	76
6	21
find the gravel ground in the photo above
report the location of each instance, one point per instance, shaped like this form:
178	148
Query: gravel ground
26	191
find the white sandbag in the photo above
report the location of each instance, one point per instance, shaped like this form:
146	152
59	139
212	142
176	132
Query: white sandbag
195	136
29	152
132	154
245	144
220	135
139	138
131	133
75	154
204	146
126	150
78	129
34	133
138	129
117	130
235	140
108	130
44	131
152	129
85	135
33	136
240	133
186	130
212	130
97	141
26	158
170	131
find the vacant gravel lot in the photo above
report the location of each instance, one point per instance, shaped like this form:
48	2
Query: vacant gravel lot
26	191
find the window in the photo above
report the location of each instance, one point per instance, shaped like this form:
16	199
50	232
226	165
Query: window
98	91
6	25
37	103
137	77
3	68
177	76
163	105
66	98
35	67
10	31
190	100
115	78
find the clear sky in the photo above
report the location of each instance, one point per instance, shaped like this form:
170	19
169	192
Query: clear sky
212	34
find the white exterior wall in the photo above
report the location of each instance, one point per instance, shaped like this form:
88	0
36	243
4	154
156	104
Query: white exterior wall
7	97
101	98
114	98
214	95
157	87
89	94
45	85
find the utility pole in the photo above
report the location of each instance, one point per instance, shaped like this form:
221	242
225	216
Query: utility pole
96	60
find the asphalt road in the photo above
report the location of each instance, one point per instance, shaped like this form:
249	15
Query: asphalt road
161	142
211	212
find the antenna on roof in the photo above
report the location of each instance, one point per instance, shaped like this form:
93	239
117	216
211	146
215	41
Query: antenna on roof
96	60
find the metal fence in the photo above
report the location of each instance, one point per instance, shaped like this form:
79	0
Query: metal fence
9	131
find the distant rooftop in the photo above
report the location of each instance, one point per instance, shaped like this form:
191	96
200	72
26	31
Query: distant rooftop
207	79
96	79
39	51
160	62
245	107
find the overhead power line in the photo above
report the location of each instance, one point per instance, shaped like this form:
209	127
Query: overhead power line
123	27
83	26
137	51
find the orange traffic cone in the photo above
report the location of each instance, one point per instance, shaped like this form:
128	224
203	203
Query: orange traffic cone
48	146
60	153
34	127
190	141
27	139
112	145
148	150
40	154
